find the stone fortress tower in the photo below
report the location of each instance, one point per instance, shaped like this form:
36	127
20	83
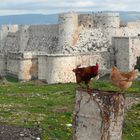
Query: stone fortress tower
106	20
76	39
68	24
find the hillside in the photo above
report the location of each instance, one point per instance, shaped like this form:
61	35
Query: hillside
53	18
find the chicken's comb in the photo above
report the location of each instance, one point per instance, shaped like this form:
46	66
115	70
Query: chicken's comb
97	64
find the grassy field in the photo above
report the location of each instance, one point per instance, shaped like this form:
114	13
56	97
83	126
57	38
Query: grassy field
50	107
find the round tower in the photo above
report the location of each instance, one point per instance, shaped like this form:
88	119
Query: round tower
68	23
106	20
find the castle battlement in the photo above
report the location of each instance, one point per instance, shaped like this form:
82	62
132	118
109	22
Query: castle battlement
106	20
106	14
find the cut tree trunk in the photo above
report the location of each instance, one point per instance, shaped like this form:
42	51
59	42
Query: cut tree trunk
98	115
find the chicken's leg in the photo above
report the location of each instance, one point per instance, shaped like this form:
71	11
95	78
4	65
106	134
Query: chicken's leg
87	83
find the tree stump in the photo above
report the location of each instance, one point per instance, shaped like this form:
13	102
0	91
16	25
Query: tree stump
98	115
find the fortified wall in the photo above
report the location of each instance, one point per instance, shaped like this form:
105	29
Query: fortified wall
46	49
126	49
4	31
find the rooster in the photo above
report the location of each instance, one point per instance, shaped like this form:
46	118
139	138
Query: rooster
84	74
122	80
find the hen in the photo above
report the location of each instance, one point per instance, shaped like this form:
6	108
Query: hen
122	80
84	74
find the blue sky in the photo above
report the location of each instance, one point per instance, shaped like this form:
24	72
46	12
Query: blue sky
10	7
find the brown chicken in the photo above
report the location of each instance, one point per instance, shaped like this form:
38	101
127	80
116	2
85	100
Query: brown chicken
122	80
84	74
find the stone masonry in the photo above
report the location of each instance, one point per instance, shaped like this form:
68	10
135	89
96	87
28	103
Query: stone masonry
75	35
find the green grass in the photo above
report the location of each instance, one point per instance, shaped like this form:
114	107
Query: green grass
131	129
50	107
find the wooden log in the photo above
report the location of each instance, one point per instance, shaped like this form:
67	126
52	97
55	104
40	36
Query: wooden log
98	115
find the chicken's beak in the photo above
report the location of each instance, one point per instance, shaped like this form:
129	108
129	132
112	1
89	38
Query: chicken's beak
73	70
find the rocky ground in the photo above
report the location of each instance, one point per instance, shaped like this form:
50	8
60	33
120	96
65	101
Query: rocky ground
129	101
18	133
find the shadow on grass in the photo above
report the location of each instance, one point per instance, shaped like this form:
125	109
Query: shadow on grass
11	79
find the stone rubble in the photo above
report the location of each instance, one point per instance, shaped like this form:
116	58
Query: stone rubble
90	40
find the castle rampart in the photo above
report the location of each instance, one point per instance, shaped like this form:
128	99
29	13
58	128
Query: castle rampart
23	65
126	52
57	68
79	38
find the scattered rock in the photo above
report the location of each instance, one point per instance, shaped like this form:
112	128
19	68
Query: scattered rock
90	40
129	101
18	133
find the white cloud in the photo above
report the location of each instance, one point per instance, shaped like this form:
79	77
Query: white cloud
56	6
22	1
83	4
13	12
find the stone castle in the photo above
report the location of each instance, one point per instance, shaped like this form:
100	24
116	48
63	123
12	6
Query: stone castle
50	52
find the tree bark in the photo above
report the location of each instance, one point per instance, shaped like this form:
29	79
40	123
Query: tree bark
98	115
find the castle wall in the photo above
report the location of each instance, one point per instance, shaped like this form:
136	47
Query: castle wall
2	64
134	50
33	38
73	37
42	67
90	40
58	68
128	31
22	65
109	33
13	64
12	43
4	30
127	49
23	37
109	23
42	38
86	20
94	33
106	20
122	52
